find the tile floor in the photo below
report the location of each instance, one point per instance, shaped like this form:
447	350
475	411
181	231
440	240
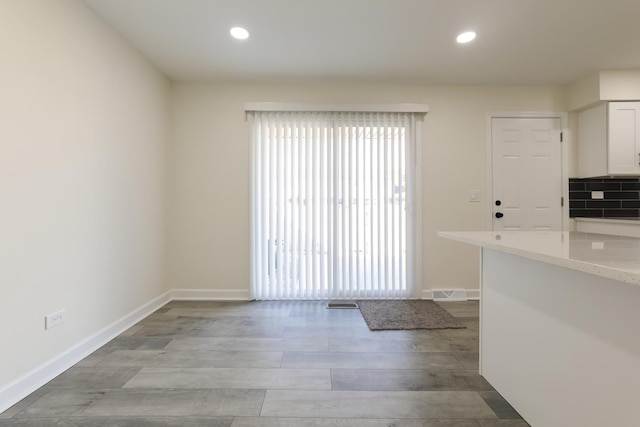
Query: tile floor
273	364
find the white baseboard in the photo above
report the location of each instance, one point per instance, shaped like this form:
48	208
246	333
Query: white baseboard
469	294
31	381
210	294
473	294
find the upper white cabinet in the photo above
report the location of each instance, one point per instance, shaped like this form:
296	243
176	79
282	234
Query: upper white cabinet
624	138
609	140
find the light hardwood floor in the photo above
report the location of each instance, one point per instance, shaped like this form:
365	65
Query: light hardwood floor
273	364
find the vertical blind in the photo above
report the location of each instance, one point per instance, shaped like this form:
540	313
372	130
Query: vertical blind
331	196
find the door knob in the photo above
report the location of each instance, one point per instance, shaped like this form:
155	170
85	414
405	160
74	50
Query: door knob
499	214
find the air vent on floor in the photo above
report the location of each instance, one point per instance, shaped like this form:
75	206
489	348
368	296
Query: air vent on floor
449	295
342	305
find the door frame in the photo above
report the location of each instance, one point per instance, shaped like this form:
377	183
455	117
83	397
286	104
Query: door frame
564	153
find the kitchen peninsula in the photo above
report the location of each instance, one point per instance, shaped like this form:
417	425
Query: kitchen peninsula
559	319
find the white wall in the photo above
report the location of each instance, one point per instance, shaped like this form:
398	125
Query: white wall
209	171
605	85
583	92
620	85
82	153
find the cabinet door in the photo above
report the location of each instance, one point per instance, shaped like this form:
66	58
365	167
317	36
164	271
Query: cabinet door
624	143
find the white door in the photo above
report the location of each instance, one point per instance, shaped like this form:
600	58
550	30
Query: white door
527	174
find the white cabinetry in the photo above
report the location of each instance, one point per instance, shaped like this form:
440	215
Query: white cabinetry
609	140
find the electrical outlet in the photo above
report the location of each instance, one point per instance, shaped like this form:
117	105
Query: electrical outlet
474	195
54	319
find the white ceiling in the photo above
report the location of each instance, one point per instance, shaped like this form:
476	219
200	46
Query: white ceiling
519	41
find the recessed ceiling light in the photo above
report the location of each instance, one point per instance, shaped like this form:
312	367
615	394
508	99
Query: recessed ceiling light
239	33
466	37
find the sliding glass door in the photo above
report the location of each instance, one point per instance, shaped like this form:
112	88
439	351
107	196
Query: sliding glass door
331	197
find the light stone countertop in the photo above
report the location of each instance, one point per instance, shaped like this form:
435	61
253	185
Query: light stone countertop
624	220
613	257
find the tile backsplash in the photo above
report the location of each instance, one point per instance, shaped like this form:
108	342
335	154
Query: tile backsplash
621	197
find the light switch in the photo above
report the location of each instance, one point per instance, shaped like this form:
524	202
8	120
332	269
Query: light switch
474	195
597	194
